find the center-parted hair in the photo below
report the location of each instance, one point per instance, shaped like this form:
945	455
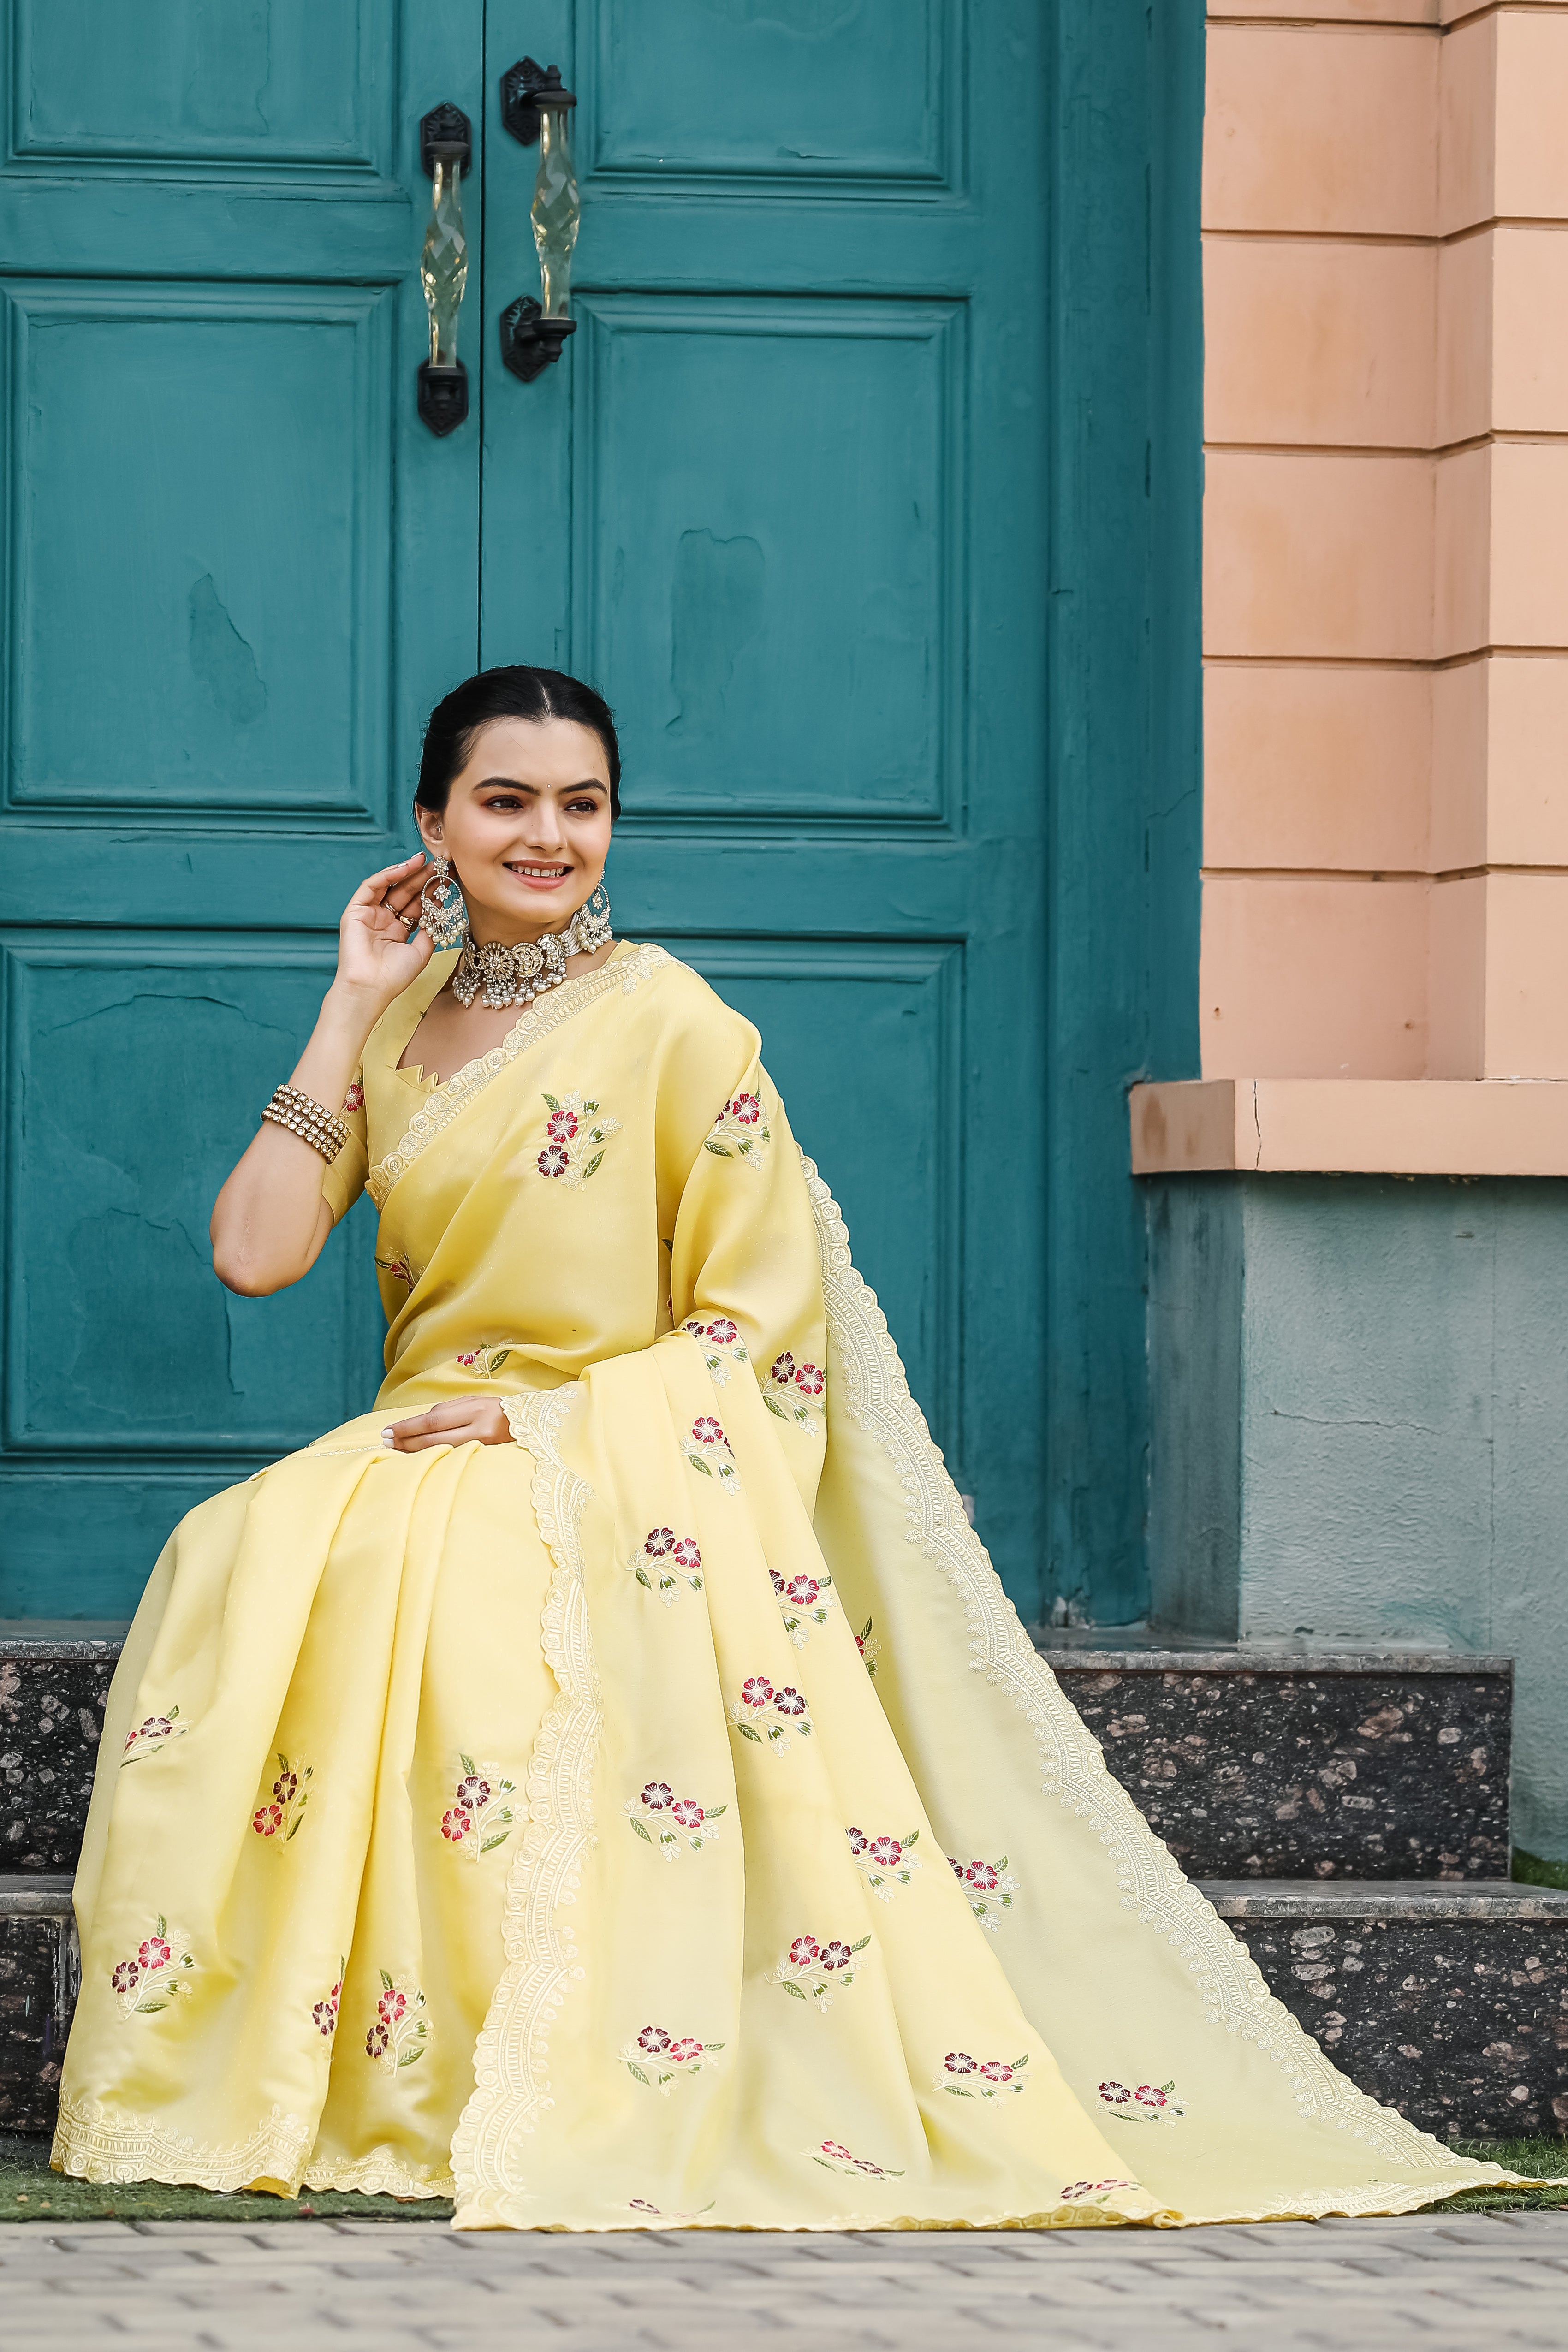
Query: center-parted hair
514	692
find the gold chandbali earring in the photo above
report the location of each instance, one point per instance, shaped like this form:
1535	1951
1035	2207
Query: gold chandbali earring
445	917
514	975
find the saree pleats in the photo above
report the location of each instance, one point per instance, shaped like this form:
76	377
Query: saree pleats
663	1818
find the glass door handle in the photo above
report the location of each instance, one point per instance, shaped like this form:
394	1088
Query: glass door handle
535	106
446	151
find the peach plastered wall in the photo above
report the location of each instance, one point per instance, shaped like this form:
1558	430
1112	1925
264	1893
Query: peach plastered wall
1385	833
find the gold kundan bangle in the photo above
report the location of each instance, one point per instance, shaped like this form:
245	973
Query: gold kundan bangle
306	1118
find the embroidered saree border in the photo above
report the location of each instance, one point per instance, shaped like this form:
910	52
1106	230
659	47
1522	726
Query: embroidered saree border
542	1017
94	2142
871	1380
511	2084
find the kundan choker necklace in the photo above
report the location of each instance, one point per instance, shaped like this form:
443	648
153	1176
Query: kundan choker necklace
514	975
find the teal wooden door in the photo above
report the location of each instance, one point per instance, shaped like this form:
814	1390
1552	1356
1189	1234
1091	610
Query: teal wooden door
782	499
236	569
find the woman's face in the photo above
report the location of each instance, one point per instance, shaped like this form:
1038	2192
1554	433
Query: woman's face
527	825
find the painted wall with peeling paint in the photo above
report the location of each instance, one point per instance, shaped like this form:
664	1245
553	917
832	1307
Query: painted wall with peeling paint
1360	1395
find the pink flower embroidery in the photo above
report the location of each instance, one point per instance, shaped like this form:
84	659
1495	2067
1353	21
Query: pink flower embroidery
741	1131
480	1817
1150	2096
1150	2103
988	1887
657	2059
670	1823
282	1819
577	1132
783	1369
859	1841
803	1590
809	1381
722	1332
813	1971
708	1432
834	2156
324	2016
666	1562
963	2078
354	1098
746	1110
399	2033
982	1875
150	1734
887	1850
758	1700
153	1979
885	1862
784	1378
1114	2094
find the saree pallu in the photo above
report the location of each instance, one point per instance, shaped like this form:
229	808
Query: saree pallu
664	1819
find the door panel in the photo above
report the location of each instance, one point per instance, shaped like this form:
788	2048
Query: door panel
767	487
783	501
236	571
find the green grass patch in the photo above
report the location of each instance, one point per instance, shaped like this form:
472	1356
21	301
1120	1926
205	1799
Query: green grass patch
29	2192
1534	1870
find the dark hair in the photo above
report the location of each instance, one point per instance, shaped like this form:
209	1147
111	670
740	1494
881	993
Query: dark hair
510	693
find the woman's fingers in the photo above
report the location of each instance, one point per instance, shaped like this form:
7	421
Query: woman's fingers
374	886
477	1422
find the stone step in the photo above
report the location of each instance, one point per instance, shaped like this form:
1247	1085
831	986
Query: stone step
39	1972
1287	1763
1248	1762
1448	2001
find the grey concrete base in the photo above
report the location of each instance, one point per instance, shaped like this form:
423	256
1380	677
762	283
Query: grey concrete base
1448	2002
1359	1397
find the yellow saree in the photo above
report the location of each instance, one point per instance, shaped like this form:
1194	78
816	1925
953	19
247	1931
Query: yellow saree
664	1820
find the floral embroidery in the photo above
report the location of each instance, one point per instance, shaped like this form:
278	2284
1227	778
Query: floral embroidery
814	1972
655	2058
575	1135
485	1360
150	1734
478	1819
152	1980
979	2078
792	1389
324	2016
676	1820
354	1098
400	2033
399	1269
803	1600
281	1819
885	1862
988	1887
741	1131
719	1340
1076	2192
834	2156
758	1701
708	1450
1150	2102
666	1562
870	1649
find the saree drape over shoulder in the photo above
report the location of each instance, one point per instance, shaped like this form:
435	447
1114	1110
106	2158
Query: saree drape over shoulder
664	1819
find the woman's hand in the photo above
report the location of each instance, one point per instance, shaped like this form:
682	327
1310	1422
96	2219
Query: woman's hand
465	1421
376	958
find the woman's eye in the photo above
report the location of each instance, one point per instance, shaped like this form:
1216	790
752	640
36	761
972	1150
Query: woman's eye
584	808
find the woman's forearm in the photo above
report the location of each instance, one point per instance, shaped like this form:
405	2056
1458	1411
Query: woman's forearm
269	1220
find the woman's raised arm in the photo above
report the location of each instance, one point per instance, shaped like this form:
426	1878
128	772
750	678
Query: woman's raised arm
269	1220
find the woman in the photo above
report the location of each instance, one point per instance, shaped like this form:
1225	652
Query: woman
607	1784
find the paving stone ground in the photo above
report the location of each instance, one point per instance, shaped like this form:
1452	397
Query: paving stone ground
1464	2284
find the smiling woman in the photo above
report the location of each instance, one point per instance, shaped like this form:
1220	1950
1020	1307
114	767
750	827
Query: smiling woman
599	1743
